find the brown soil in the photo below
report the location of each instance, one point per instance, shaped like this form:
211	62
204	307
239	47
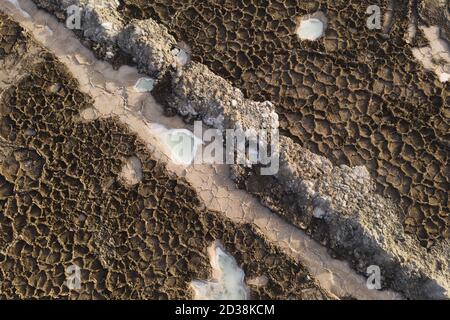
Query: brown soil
356	96
62	203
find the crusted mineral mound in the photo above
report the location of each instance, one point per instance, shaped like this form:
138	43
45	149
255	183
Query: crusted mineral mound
64	203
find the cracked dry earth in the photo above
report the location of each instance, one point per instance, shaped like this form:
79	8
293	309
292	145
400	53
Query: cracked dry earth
62	201
357	96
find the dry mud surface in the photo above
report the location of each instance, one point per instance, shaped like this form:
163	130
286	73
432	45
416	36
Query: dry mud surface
357	97
62	201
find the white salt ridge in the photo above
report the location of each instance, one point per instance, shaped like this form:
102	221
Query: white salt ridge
144	85
227	278
17	5
180	144
310	29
